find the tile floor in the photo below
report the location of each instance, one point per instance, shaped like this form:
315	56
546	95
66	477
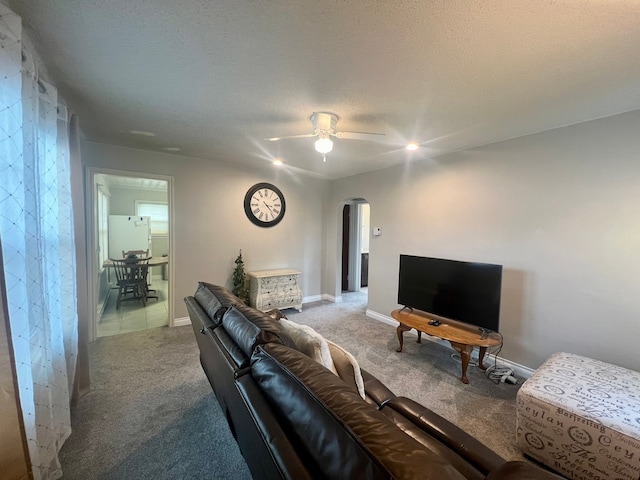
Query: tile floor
132	316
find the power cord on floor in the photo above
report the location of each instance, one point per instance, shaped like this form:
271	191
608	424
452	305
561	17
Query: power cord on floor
500	374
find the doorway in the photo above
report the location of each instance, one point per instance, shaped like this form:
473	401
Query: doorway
355	246
117	196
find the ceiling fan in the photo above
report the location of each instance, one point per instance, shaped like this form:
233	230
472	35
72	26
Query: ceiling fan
324	127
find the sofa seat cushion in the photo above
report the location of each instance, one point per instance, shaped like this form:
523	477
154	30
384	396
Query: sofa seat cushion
467	453
461	464
339	434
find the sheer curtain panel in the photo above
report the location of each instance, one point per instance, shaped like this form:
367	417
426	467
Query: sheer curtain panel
38	246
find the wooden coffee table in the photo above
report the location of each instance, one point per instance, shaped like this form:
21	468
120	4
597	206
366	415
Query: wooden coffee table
462	336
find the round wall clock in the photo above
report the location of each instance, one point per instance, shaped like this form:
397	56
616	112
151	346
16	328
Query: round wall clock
264	204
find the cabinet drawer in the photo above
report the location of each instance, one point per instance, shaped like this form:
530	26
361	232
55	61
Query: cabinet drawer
268	282
276	289
272	281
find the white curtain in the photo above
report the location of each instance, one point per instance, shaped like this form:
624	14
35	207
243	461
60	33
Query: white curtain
36	227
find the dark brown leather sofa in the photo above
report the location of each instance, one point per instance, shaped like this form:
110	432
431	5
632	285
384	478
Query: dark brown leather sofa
293	418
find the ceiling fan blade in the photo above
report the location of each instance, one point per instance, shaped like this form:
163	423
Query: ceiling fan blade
358	135
275	139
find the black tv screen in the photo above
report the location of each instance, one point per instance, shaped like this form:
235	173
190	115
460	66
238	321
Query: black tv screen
465	291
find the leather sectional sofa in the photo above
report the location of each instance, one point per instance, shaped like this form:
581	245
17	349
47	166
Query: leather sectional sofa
295	418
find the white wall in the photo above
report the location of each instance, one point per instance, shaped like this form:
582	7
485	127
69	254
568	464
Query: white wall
210	223
560	211
123	202
365	227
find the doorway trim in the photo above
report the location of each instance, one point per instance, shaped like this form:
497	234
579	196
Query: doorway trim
90	202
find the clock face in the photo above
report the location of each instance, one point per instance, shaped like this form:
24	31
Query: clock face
264	204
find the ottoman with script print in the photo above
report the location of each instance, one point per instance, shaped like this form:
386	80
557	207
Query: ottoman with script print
581	418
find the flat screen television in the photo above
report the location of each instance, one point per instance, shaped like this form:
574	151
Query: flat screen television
465	291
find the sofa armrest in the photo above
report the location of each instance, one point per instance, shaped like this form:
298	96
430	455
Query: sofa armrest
375	389
469	448
520	470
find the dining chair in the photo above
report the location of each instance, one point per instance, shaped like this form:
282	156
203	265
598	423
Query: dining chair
137	253
142	254
149	292
131	278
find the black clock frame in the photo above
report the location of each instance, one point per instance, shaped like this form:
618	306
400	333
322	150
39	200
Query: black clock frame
247	205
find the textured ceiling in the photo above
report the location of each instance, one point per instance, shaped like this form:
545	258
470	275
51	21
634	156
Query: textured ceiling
215	78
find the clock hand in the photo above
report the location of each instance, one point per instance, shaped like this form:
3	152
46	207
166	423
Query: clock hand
265	204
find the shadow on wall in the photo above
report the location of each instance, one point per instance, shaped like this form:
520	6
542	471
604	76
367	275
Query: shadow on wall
512	308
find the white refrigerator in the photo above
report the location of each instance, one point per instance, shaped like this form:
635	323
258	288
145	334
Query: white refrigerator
127	232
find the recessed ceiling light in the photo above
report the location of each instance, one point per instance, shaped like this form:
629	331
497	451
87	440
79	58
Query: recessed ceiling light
140	132
412	146
277	161
172	149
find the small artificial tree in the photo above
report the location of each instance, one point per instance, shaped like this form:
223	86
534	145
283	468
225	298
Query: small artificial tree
240	289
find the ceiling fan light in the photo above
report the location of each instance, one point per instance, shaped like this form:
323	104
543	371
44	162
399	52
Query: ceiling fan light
324	145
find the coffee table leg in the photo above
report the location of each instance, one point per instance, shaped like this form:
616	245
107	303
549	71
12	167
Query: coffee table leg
483	351
400	330
465	356
419	337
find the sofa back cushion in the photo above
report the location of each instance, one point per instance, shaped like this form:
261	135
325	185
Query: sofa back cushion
338	432
249	327
215	300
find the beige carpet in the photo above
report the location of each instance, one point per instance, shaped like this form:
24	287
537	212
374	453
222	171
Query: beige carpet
151	413
424	372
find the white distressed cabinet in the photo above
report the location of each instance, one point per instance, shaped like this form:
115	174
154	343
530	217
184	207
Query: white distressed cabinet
269	289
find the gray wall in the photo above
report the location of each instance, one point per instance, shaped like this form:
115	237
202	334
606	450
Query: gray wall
558	209
210	224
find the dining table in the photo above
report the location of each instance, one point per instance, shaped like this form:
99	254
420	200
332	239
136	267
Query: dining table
153	262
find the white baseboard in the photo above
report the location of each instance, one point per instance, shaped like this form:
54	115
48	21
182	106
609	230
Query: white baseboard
324	296
181	322
382	318
312	298
327	297
520	370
